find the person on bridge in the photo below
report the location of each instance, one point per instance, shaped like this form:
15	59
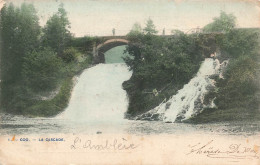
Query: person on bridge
114	31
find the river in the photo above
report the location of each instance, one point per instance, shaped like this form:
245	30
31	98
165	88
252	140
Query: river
19	125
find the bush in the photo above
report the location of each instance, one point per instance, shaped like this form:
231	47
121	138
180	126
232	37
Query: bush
70	55
41	70
240	42
239	87
51	107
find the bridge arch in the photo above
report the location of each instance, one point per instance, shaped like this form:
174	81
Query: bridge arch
99	50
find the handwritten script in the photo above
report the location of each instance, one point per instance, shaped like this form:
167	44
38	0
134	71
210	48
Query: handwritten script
115	144
232	151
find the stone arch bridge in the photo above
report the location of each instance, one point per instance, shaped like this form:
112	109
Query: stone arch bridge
109	43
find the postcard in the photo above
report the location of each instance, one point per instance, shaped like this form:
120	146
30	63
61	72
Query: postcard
132	82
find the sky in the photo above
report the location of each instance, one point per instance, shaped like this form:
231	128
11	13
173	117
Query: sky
99	17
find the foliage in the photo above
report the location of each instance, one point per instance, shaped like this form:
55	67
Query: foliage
136	29
239	87
150	28
159	64
42	70
70	55
224	23
165	65
239	42
51	107
176	32
30	66
20	31
56	34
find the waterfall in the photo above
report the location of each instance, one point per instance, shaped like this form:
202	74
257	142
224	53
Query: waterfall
189	100
98	95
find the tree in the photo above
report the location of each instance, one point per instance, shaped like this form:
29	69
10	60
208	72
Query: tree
20	30
9	26
19	34
224	23
240	42
136	29
177	32
56	31
150	28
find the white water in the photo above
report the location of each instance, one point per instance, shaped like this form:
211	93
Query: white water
98	95
190	99
184	101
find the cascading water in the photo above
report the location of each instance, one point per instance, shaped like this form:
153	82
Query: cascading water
190	99
98	95
98	102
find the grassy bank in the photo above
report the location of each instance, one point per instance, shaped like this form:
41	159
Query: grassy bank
42	104
43	108
52	107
